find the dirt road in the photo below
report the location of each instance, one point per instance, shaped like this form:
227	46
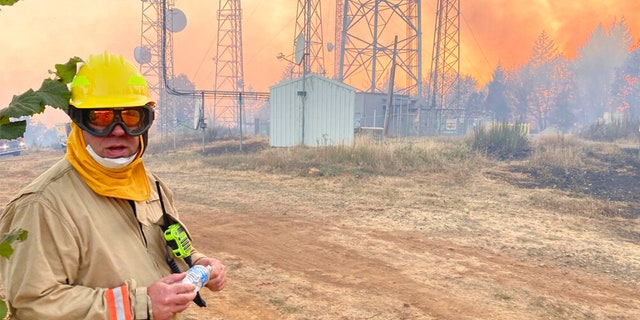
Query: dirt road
411	247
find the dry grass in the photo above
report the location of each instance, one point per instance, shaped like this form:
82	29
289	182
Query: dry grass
558	151
367	156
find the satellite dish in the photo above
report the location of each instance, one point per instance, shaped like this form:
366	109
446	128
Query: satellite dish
197	116
175	20
298	55
142	54
329	46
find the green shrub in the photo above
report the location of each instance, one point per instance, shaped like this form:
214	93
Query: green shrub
502	140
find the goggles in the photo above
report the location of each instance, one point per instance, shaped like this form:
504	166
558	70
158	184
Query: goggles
100	122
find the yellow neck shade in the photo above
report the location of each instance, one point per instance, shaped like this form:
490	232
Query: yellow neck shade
129	182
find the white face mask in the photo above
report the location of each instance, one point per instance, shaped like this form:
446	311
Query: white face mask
111	163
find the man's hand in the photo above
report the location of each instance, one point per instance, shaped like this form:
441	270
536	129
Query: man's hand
218	276
169	296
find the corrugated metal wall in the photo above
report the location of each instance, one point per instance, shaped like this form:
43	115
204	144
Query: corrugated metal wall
285	127
328	117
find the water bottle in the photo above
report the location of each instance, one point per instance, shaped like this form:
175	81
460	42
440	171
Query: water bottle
197	275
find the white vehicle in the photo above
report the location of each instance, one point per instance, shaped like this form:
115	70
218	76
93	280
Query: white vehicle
12	147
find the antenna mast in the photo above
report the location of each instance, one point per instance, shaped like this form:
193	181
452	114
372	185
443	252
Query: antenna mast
149	56
367	41
229	66
445	61
309	26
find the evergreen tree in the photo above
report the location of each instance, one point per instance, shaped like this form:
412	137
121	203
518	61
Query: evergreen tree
496	101
626	86
595	67
542	81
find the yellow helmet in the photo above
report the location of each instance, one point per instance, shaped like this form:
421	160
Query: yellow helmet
109	81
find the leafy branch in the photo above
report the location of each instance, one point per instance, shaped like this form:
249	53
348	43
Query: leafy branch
7	2
53	92
8	238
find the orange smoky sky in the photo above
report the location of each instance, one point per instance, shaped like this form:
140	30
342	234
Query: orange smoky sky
503	31
37	34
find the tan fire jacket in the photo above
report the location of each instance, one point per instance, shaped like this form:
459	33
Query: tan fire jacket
86	256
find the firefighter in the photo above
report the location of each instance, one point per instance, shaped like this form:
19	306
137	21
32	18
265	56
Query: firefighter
104	237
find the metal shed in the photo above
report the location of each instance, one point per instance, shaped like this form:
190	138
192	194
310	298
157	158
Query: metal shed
311	110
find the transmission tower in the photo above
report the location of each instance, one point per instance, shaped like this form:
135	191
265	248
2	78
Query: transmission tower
366	49
149	56
308	43
229	65
445	62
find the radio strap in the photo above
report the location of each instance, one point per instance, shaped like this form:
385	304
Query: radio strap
169	256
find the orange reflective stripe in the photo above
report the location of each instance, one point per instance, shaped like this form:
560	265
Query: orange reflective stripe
111	305
118	303
126	303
